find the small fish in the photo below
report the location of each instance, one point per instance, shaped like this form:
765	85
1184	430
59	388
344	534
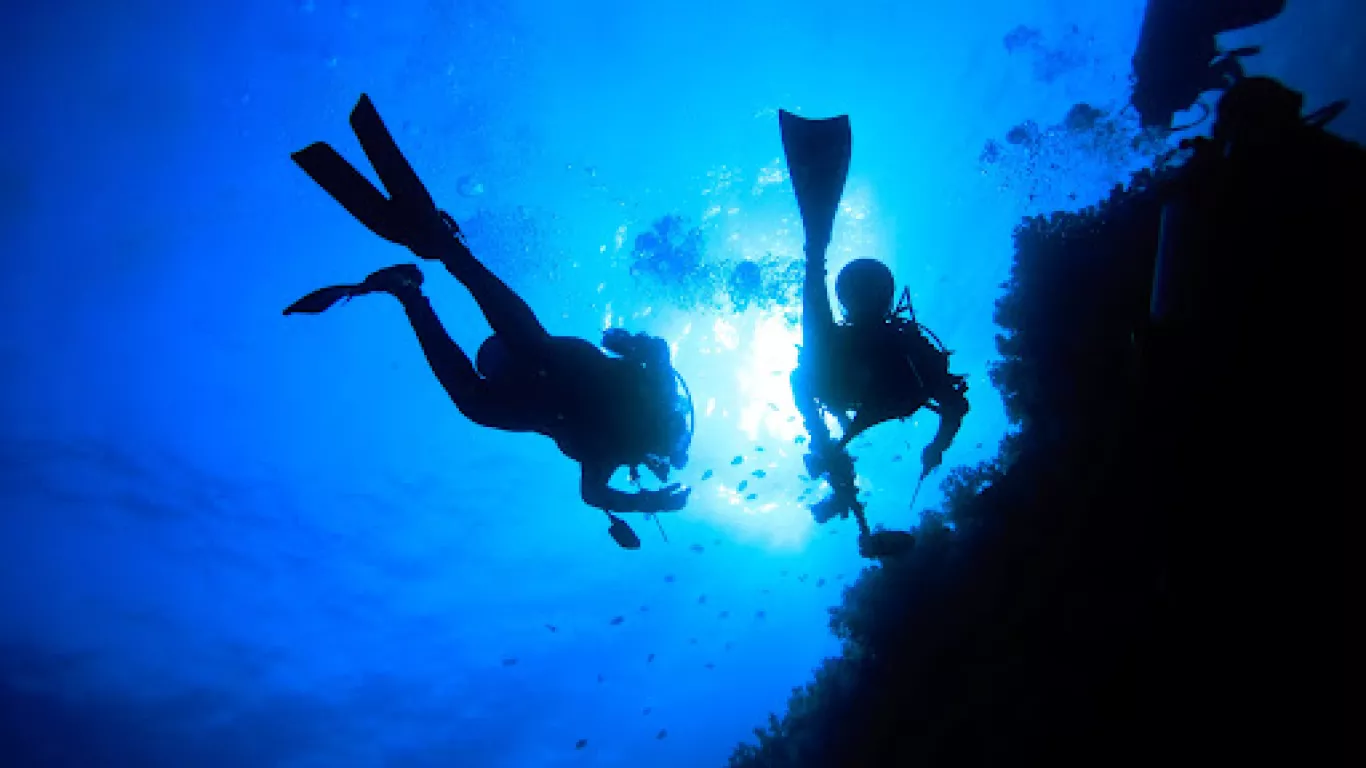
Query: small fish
804	478
510	662
644	609
552	628
581	744
646	711
742	486
709	665
790	419
725	614
697	548
702	600
617	620
759	448
766	591
692	641
649	659
752	497
729	645
802	578
600	677
668	579
759	473
782	573
896	458
799	440
760	614
773	406
707	475
979	445
716	542
737	461
839	577
663	734
820	582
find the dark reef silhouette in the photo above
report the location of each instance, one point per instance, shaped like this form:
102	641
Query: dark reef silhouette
1145	572
1178	56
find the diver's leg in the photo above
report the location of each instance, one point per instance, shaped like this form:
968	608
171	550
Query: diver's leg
508	314
818	319
478	400
814	359
808	405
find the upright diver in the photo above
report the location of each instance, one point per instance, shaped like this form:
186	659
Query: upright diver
876	365
604	412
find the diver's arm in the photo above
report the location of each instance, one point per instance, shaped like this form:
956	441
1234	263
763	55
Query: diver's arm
953	407
595	491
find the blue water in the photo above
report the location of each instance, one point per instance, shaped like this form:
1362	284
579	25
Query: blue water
230	538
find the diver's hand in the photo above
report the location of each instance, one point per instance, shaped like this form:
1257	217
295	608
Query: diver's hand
670	498
931	459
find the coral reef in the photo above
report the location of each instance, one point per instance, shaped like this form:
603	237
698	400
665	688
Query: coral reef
1122	583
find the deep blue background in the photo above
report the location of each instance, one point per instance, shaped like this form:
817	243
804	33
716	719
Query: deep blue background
229	538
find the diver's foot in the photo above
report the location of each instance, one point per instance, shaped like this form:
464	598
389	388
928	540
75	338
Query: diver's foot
399	279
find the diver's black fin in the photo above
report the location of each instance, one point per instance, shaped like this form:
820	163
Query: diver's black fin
1233	15
622	533
348	187
321	300
393	169
818	153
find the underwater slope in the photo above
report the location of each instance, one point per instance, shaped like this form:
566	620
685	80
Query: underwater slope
1138	575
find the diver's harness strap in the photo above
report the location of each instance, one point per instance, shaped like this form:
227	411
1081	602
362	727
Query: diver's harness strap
904	317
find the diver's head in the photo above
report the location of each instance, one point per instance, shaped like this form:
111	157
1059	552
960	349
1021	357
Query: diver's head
1258	110
865	289
667	403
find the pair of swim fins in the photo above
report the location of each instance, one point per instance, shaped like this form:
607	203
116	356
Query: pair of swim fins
408	204
401	217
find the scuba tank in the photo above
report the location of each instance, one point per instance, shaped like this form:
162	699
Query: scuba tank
903	317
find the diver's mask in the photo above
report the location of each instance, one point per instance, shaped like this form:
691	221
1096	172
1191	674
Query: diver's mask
651	353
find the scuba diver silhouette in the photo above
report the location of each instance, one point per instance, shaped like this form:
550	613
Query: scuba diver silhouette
604	412
1178	56
878	364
